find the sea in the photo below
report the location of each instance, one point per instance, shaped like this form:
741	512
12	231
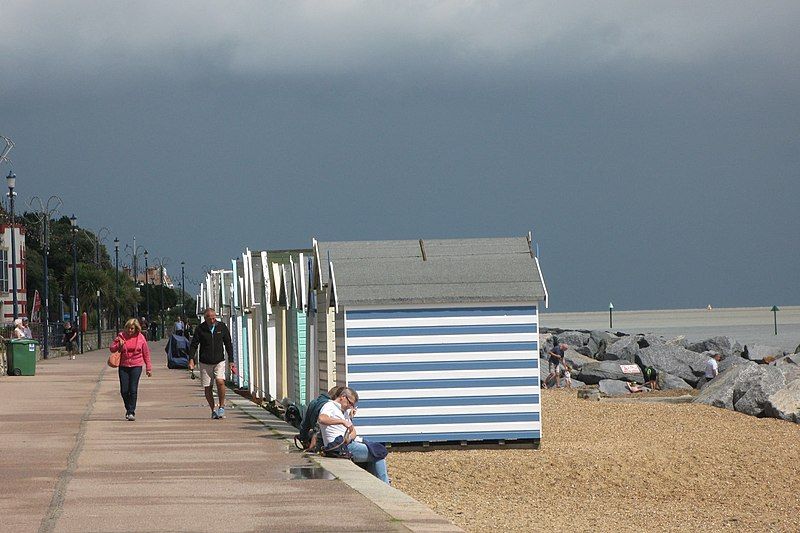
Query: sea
748	325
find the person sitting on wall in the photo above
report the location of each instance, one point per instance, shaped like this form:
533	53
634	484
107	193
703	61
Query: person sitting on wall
335	421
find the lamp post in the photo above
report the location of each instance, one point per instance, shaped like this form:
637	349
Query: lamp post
147	285
133	252
99	237
44	214
99	333
116	285
183	306
11	180
610	315
161	262
74	311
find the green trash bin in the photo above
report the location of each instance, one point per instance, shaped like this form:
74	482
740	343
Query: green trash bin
21	355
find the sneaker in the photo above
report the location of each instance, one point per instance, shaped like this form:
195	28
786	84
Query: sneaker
127	416
221	412
131	417
214	415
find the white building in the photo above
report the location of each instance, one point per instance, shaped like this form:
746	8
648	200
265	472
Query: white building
7	269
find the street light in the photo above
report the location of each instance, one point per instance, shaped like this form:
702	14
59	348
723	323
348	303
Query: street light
116	286
11	180
74	311
133	252
147	285
45	214
161	262
183	306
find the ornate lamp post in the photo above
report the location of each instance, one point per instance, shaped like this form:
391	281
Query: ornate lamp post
116	285
45	214
11	180
133	252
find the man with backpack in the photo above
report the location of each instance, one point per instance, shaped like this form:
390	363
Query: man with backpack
308	438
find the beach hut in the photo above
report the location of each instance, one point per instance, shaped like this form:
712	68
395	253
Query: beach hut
439	337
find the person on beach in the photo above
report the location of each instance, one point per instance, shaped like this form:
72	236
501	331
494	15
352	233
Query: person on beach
650	377
335	420
567	375
70	336
712	367
213	338
133	354
556	358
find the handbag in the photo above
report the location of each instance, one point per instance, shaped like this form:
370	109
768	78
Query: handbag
377	450
113	360
337	449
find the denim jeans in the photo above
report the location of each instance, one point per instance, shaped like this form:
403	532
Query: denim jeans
361	456
129	386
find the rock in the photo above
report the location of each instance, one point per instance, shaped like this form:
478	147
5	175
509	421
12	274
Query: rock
576	360
592	373
759	353
600	340
573	338
577	383
720	390
625	349
613	387
752	391
728	362
790	366
720	344
669	382
585	350
687	365
785	404
791	359
589	394
545	343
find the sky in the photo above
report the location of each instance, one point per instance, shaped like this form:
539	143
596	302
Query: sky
653	148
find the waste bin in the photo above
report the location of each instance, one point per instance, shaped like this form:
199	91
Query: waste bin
21	355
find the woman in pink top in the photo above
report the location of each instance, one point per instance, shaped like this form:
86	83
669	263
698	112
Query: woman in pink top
134	353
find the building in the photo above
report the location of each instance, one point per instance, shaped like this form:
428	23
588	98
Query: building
6	270
439	337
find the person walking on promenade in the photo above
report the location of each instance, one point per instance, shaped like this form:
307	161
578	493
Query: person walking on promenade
133	354
70	335
213	339
335	421
556	359
179	326
21	331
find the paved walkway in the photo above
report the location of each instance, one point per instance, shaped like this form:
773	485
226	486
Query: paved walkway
70	462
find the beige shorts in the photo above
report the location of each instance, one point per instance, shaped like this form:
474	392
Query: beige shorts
208	373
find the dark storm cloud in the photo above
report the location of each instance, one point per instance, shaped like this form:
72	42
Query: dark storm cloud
651	149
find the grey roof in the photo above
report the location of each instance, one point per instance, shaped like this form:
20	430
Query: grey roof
455	271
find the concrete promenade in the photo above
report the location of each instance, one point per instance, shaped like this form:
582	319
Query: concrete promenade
71	462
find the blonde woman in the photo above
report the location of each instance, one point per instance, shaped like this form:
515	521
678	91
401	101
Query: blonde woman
134	353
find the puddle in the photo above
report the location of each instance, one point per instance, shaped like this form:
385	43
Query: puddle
309	472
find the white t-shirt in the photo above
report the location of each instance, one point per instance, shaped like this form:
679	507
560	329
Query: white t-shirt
329	433
712	368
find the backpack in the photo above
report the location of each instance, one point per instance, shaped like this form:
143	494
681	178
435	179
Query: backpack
308	424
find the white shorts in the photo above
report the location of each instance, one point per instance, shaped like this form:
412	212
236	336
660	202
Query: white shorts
208	373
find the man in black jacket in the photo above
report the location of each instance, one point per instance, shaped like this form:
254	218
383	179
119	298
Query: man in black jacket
214	340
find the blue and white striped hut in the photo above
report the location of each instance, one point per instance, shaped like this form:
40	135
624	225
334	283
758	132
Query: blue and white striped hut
439	337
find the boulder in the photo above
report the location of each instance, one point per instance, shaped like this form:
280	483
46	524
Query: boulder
669	382
592	373
719	391
613	387
752	390
545	343
687	365
577	383
720	344
759	353
585	350
790	366
791	359
600	340
573	338
576	360
624	349
785	404
727	362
